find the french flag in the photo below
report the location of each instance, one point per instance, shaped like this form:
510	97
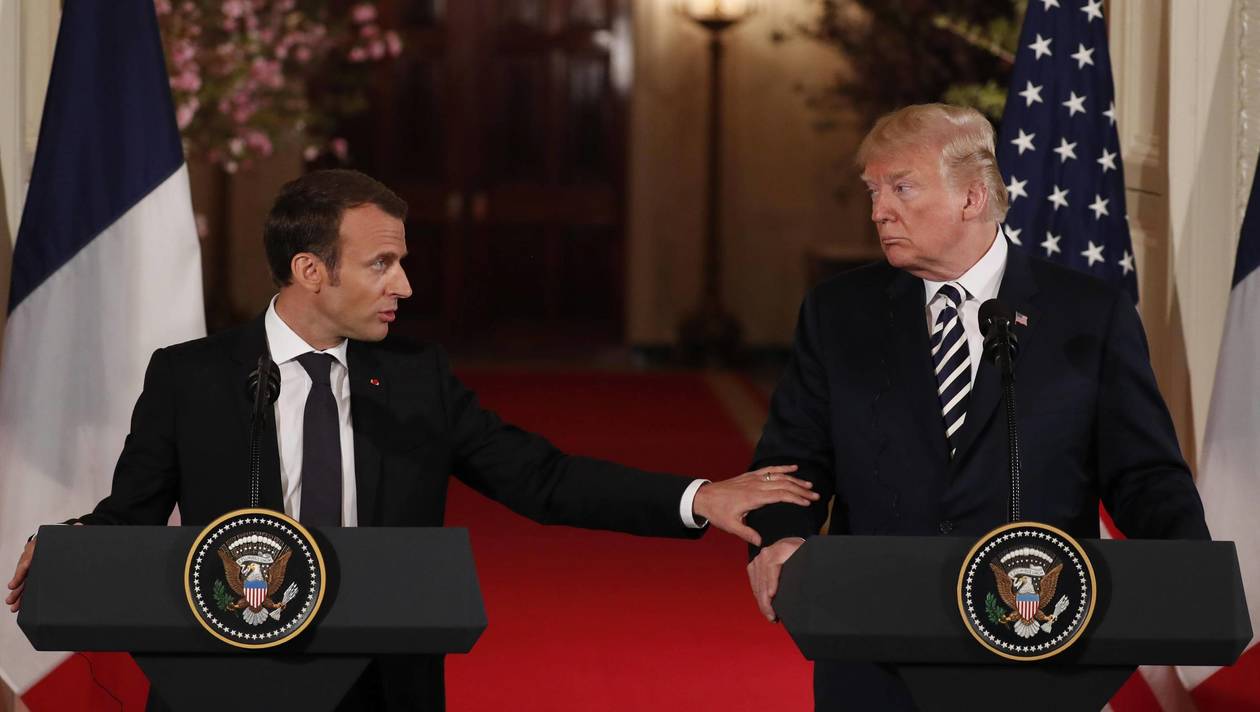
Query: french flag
106	268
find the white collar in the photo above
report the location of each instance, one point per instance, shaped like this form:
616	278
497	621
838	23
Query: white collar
286	345
984	277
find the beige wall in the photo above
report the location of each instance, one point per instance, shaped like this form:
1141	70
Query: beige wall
781	176
1186	84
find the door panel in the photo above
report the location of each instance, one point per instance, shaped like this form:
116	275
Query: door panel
502	127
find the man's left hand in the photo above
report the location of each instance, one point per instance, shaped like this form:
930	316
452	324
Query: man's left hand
726	503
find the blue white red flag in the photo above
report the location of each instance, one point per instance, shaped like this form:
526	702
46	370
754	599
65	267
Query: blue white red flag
106	268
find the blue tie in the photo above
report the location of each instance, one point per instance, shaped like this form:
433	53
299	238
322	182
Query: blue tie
952	360
321	446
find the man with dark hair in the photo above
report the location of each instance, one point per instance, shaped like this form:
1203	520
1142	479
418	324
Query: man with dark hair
368	430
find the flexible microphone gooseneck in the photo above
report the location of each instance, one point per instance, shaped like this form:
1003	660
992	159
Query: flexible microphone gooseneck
262	392
1000	348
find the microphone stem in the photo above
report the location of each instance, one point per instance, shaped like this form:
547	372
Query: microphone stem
1013	513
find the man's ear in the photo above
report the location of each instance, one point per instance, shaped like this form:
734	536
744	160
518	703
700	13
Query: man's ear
976	201
309	272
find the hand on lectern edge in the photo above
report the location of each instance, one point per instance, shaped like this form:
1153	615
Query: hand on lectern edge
763	573
726	503
18	582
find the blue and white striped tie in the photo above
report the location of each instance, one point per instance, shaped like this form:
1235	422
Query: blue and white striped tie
953	363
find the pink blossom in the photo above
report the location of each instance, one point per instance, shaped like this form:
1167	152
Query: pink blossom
303	54
233	8
203	225
236	146
259	141
369	31
377	49
340	148
358	54
163	7
310	153
186	81
394	43
363	12
185	112
230	166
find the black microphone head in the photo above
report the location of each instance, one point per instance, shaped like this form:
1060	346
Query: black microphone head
994	310
269	390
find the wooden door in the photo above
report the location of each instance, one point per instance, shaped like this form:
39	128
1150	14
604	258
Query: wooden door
503	125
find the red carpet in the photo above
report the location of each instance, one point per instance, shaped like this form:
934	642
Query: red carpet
596	621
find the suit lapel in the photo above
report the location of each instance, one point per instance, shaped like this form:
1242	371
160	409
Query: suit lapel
251	345
369	397
909	359
1018	287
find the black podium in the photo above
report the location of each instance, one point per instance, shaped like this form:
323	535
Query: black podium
893	600
390	591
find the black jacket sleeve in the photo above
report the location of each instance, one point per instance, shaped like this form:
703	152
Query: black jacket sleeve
1144	481
146	478
797	432
533	478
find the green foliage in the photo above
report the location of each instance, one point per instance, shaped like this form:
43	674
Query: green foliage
221	596
899	52
993	610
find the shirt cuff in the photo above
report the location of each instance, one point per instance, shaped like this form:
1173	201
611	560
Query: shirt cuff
685	506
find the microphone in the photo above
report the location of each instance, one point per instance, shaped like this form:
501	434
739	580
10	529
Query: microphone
262	392
1001	346
262	387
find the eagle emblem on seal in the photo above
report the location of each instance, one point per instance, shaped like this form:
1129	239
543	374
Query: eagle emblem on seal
1026	580
254	566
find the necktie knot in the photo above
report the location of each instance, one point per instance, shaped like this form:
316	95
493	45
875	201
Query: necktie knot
318	367
953	294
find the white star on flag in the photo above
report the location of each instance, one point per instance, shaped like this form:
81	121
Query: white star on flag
1015	189
1107	161
1075	105
1051	243
1031	93
1059	198
1024	142
1013	234
1093	9
1083	56
1110	113
1093	253
1047	4
1065	150
1099	206
1126	262
1041	47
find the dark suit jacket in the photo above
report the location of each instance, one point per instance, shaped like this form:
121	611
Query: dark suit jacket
189	446
857	411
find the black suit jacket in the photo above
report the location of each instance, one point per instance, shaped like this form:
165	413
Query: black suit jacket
189	446
857	410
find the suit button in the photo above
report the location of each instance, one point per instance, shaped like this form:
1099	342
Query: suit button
946	527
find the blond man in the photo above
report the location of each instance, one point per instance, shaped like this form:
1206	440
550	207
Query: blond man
888	405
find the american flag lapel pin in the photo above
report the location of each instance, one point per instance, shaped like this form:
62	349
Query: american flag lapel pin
374	381
1021	319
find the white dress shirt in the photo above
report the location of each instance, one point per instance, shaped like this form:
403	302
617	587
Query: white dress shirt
981	284
290	407
295	383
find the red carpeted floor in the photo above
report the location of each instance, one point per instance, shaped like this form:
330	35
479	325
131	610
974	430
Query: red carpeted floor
584	620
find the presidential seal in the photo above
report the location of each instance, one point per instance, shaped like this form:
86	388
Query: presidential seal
1026	591
254	578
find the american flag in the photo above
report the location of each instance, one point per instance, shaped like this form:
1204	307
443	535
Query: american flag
1058	148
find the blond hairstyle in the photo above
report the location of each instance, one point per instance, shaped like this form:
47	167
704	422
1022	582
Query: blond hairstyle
961	134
